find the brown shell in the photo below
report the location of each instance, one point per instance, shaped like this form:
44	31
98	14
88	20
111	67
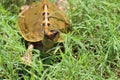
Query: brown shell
30	21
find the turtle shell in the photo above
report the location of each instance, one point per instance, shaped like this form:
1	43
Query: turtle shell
30	21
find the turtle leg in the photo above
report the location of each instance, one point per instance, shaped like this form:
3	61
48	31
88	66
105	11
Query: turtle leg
27	58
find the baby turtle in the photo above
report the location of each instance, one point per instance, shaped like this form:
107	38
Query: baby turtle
41	22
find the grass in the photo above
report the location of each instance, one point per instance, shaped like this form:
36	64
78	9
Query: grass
92	50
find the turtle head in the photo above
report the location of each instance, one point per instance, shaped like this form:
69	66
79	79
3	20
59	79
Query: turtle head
52	35
50	38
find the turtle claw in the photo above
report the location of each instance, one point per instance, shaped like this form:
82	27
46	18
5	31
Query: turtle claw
27	58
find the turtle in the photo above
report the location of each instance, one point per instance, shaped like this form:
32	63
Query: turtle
42	22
